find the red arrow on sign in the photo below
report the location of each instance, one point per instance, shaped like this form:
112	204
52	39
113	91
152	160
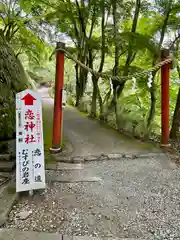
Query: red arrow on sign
28	99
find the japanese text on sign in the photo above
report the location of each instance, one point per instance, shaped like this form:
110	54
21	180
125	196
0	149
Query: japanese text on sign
30	172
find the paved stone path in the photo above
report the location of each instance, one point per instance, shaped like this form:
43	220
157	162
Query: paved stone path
85	137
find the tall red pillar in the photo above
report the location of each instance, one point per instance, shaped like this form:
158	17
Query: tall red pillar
165	110
59	84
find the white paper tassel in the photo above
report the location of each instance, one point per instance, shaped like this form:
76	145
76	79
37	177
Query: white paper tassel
111	85
150	79
133	84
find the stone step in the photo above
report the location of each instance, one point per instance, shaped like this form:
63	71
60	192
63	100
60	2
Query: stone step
8	197
5	157
70	173
64	166
95	238
61	158
67	176
50	166
7	166
69	166
73	180
14	234
6	174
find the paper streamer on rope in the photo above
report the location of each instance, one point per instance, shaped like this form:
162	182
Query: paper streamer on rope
133	84
150	80
111	85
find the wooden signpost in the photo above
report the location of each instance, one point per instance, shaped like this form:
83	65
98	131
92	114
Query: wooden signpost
30	171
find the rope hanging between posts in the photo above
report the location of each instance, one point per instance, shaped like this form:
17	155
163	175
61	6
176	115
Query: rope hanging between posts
117	78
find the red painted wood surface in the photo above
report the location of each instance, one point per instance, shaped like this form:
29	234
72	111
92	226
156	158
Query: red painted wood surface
59	84
165	97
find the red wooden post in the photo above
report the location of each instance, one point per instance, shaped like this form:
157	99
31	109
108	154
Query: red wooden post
59	83
165	71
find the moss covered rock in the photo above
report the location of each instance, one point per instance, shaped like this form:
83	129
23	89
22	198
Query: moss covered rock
13	79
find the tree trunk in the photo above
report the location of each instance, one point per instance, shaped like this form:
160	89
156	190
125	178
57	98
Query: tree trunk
118	88
176	117
80	87
116	57
101	115
94	97
77	86
116	107
77	94
81	80
153	88
96	90
131	55
153	105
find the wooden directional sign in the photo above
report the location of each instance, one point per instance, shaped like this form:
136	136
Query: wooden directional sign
30	172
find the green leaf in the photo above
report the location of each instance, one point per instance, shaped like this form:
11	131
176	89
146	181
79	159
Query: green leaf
139	42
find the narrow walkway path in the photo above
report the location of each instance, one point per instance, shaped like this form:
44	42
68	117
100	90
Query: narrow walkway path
90	137
101	200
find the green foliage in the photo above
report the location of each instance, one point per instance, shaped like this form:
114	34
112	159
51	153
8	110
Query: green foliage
7	119
139	42
133	108
116	37
20	41
13	79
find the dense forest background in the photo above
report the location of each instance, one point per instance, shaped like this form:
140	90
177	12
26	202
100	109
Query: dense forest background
116	37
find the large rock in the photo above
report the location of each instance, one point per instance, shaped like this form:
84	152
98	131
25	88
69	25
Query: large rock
8	147
8	197
7	156
13	79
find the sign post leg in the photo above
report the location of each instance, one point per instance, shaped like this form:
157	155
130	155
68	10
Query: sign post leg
30	193
165	71
59	83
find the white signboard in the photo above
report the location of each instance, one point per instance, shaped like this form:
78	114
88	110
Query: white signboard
30	172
